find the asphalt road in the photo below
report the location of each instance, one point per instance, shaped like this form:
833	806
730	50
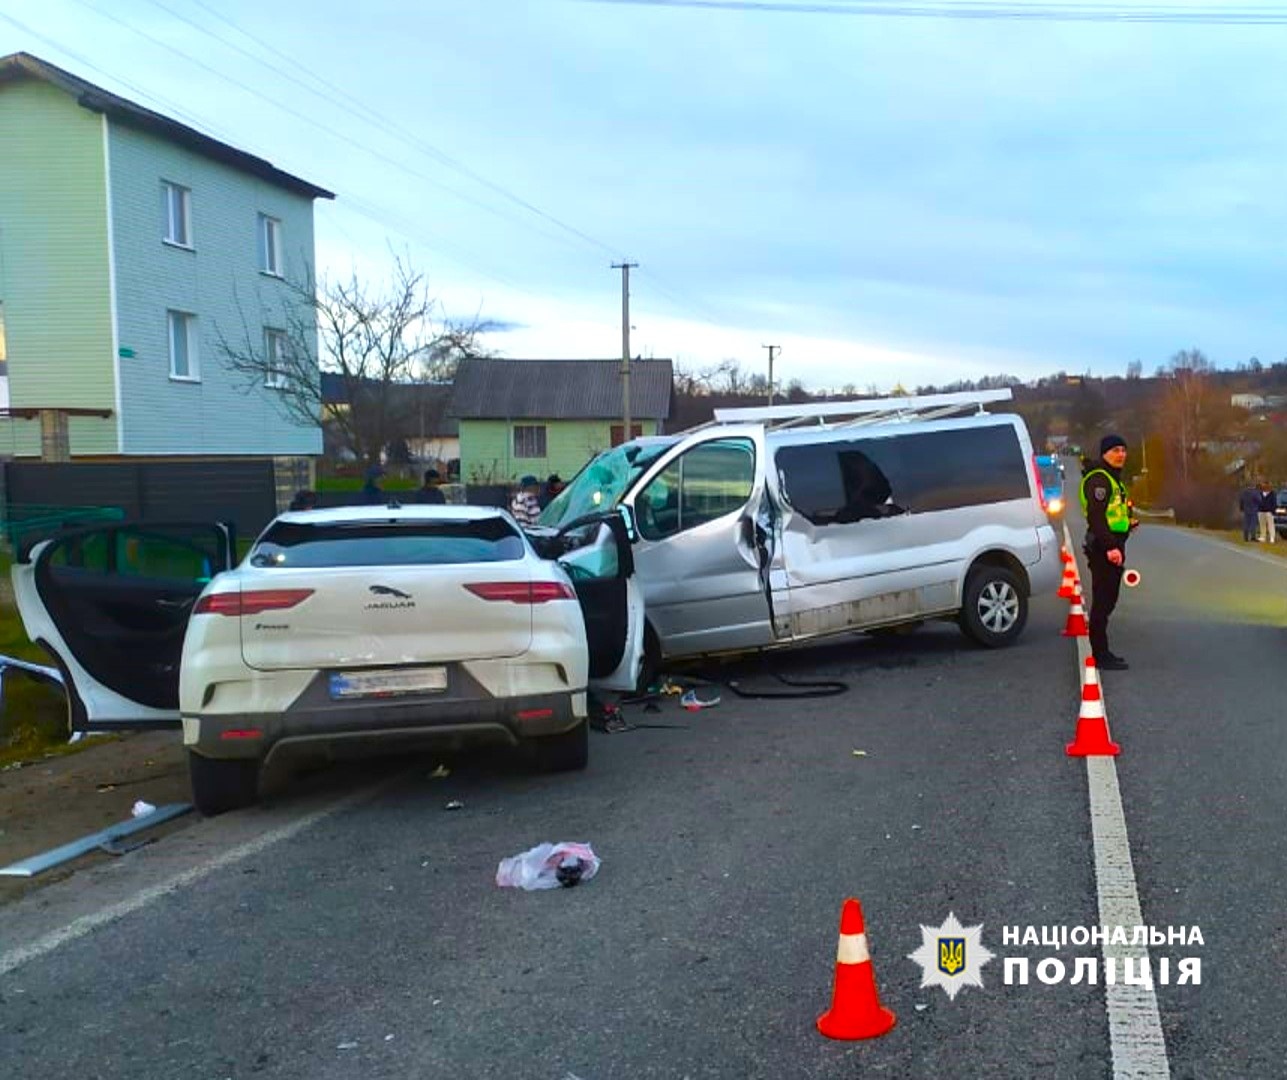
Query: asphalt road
374	943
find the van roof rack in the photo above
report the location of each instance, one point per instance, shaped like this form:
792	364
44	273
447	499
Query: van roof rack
861	412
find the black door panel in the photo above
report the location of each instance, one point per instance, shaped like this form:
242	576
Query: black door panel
603	599
120	597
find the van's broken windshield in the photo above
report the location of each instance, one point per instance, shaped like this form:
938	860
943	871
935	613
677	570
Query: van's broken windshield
601	483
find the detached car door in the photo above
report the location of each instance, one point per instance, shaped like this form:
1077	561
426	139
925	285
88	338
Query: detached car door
111	605
599	559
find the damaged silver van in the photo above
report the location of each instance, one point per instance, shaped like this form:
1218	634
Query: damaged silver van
782	524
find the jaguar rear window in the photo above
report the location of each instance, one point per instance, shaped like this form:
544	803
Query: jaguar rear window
388	543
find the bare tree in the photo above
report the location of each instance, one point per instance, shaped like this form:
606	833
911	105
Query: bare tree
379	343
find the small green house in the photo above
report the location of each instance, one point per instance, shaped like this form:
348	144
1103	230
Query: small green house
537	417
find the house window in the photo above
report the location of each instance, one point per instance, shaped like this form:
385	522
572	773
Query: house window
183	346
178	214
270	245
529	440
275	353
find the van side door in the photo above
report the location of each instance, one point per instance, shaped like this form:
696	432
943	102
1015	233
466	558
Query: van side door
882	526
707	549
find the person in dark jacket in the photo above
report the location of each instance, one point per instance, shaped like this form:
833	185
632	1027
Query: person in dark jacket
431	493
305	499
550	490
1249	504
1107	507
372	493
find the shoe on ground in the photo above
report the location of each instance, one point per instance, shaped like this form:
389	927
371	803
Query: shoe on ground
1111	663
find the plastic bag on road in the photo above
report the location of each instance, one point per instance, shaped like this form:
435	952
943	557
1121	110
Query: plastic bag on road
548	866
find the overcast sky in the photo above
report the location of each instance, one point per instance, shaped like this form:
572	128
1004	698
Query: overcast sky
888	199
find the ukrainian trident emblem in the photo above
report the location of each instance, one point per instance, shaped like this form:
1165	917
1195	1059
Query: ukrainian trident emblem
951	955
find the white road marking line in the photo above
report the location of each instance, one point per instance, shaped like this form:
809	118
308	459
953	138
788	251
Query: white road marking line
1134	1021
87	924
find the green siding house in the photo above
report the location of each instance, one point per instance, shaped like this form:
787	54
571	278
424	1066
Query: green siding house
128	244
550	416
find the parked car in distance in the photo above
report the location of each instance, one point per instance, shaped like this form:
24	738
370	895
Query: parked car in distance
1280	514
342	630
1050	470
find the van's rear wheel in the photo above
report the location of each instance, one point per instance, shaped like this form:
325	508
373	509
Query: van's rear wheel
219	786
995	607
562	753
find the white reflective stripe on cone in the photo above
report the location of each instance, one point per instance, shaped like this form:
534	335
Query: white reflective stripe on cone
1093	710
853	949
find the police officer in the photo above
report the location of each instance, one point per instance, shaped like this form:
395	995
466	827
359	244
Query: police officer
1107	508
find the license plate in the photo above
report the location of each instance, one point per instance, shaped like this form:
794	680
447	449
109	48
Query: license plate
357	684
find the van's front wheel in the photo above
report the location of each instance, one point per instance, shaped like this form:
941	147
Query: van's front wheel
995	607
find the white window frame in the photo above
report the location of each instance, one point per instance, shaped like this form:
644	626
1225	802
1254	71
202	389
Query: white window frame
270	245
275	343
189	322
168	190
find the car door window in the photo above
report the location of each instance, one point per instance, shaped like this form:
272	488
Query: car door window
142	552
706	483
594	553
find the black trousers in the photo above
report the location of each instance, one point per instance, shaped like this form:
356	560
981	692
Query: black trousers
1105	588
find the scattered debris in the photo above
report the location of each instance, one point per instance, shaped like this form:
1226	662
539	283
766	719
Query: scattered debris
693	703
142	809
388	1038
921	1008
440	773
455	804
549	866
860	753
347	1046
915	828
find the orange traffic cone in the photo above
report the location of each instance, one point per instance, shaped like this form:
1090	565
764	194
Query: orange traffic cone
1076	626
1092	739
1065	555
1069	581
856	1012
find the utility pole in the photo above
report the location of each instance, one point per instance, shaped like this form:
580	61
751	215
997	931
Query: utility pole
625	268
772	349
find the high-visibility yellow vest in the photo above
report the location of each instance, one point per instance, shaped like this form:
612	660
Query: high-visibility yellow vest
1118	511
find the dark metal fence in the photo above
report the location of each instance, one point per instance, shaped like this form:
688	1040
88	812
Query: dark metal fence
240	492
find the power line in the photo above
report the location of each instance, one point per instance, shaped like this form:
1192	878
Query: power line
331	91
312	121
369	115
981	10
